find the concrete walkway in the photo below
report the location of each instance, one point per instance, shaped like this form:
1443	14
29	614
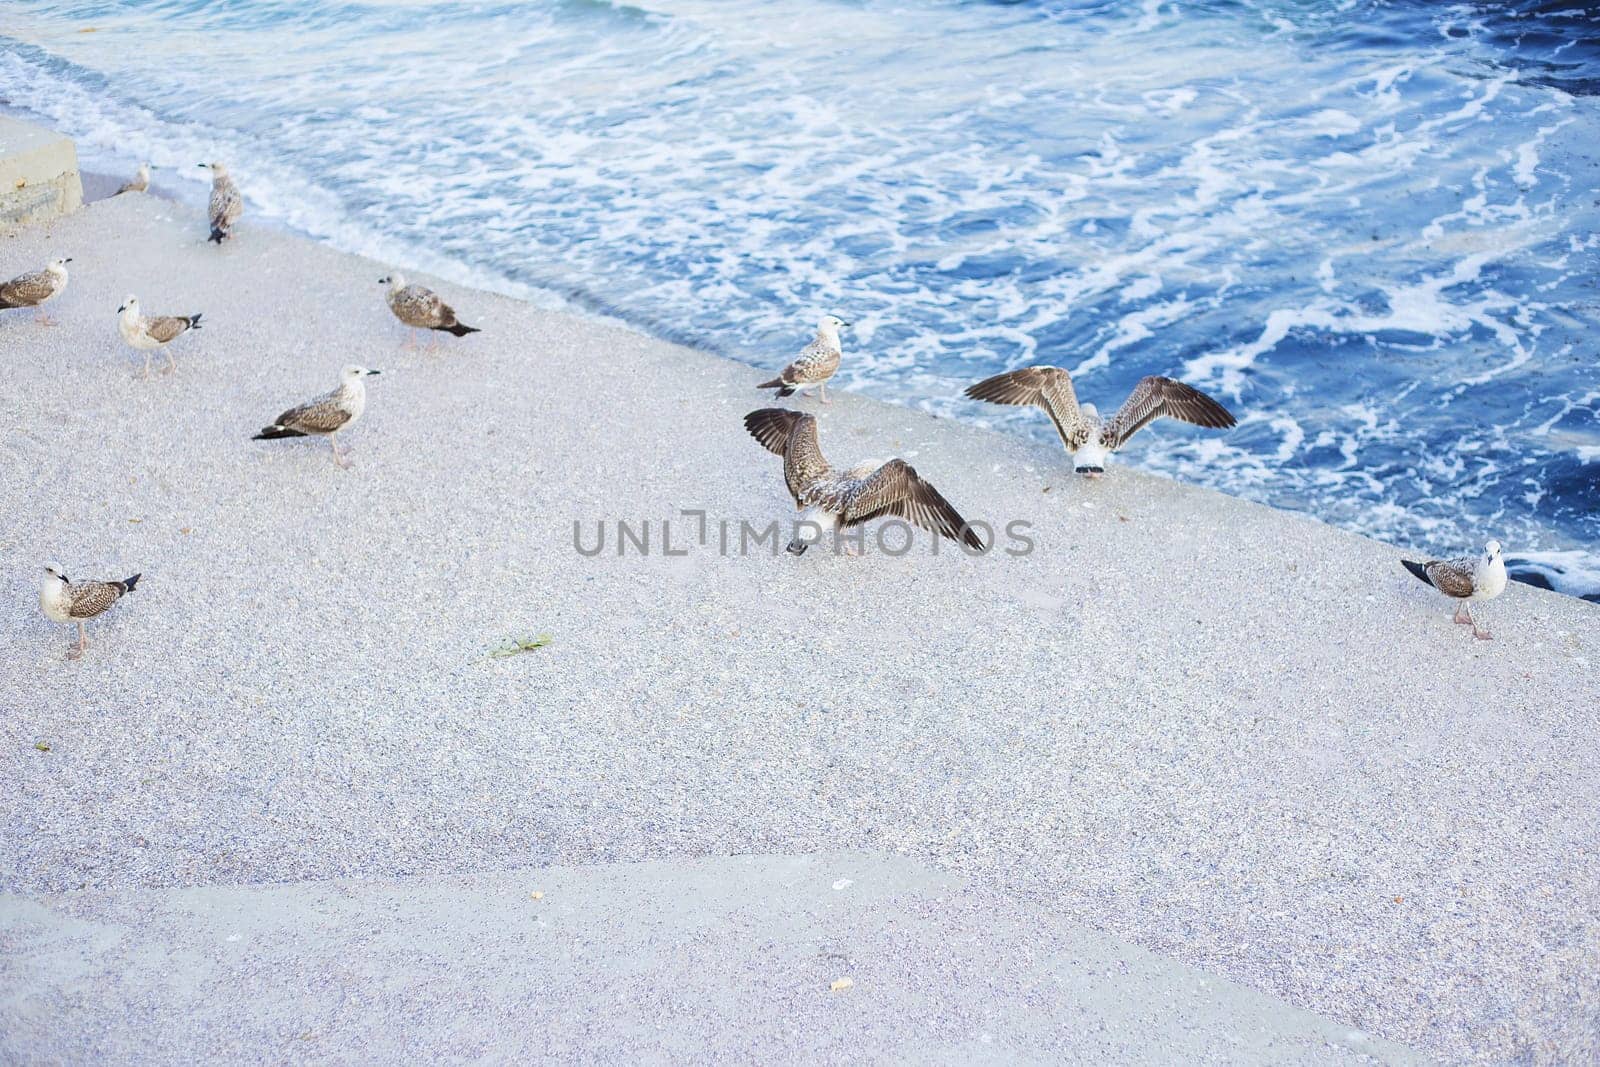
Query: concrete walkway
1238	738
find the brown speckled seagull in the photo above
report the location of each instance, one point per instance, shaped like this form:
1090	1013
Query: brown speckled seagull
149	334
420	308
1088	437
226	205
326	415
65	601
834	500
33	289
1467	578
816	363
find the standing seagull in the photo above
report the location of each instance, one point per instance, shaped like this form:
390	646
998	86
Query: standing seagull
326	415
1467	579
1085	434
31	290
140	183
65	601
837	499
227	203
147	335
816	363
421	309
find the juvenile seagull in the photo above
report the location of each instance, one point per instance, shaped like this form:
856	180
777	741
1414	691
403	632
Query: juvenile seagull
421	309
1088	437
32	289
326	415
227	203
64	601
147	335
140	183
837	499
816	363
1467	579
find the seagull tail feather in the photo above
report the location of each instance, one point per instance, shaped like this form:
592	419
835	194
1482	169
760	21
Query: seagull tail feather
129	583
218	234
194	321
1417	569
460	329
272	433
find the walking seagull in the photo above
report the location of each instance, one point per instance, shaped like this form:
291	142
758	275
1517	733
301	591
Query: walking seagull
140	183
1467	579
326	415
816	363
1088	437
147	335
31	290
421	309
227	203
64	601
837	499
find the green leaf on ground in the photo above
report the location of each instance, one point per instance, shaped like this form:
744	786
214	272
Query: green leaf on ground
518	645
42	746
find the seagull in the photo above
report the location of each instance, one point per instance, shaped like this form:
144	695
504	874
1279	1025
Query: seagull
326	415
838	499
816	363
32	289
421	309
1088	437
140	183
147	335
1467	578
227	203
64	601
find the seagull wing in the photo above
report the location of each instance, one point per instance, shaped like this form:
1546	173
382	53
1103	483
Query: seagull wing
1047	387
323	415
91	598
792	435
897	489
1452	577
1154	397
27	290
226	205
166	327
815	363
419	306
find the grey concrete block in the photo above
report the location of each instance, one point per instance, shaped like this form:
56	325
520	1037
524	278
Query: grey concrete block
38	174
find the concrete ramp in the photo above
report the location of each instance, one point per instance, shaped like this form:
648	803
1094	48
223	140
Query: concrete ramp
38	174
748	959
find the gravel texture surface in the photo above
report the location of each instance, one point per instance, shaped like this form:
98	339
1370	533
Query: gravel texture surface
1237	737
752	959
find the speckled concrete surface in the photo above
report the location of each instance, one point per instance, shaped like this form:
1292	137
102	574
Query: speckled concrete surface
723	960
1236	737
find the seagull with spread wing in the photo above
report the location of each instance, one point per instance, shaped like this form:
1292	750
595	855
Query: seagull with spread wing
68	601
833	499
146	334
1087	436
326	415
1466	578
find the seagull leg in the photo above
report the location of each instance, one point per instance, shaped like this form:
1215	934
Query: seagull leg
338	457
146	372
411	340
83	643
43	318
822	393
1463	613
433	344
172	364
1481	635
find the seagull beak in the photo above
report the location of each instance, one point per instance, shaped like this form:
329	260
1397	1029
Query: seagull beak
846	324
374	372
202	164
67	260
121	309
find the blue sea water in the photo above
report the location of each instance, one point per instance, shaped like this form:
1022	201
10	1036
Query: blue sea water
1369	226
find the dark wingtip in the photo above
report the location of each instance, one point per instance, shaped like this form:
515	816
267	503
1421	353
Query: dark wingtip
461	329
217	236
194	321
797	548
1417	569
130	583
